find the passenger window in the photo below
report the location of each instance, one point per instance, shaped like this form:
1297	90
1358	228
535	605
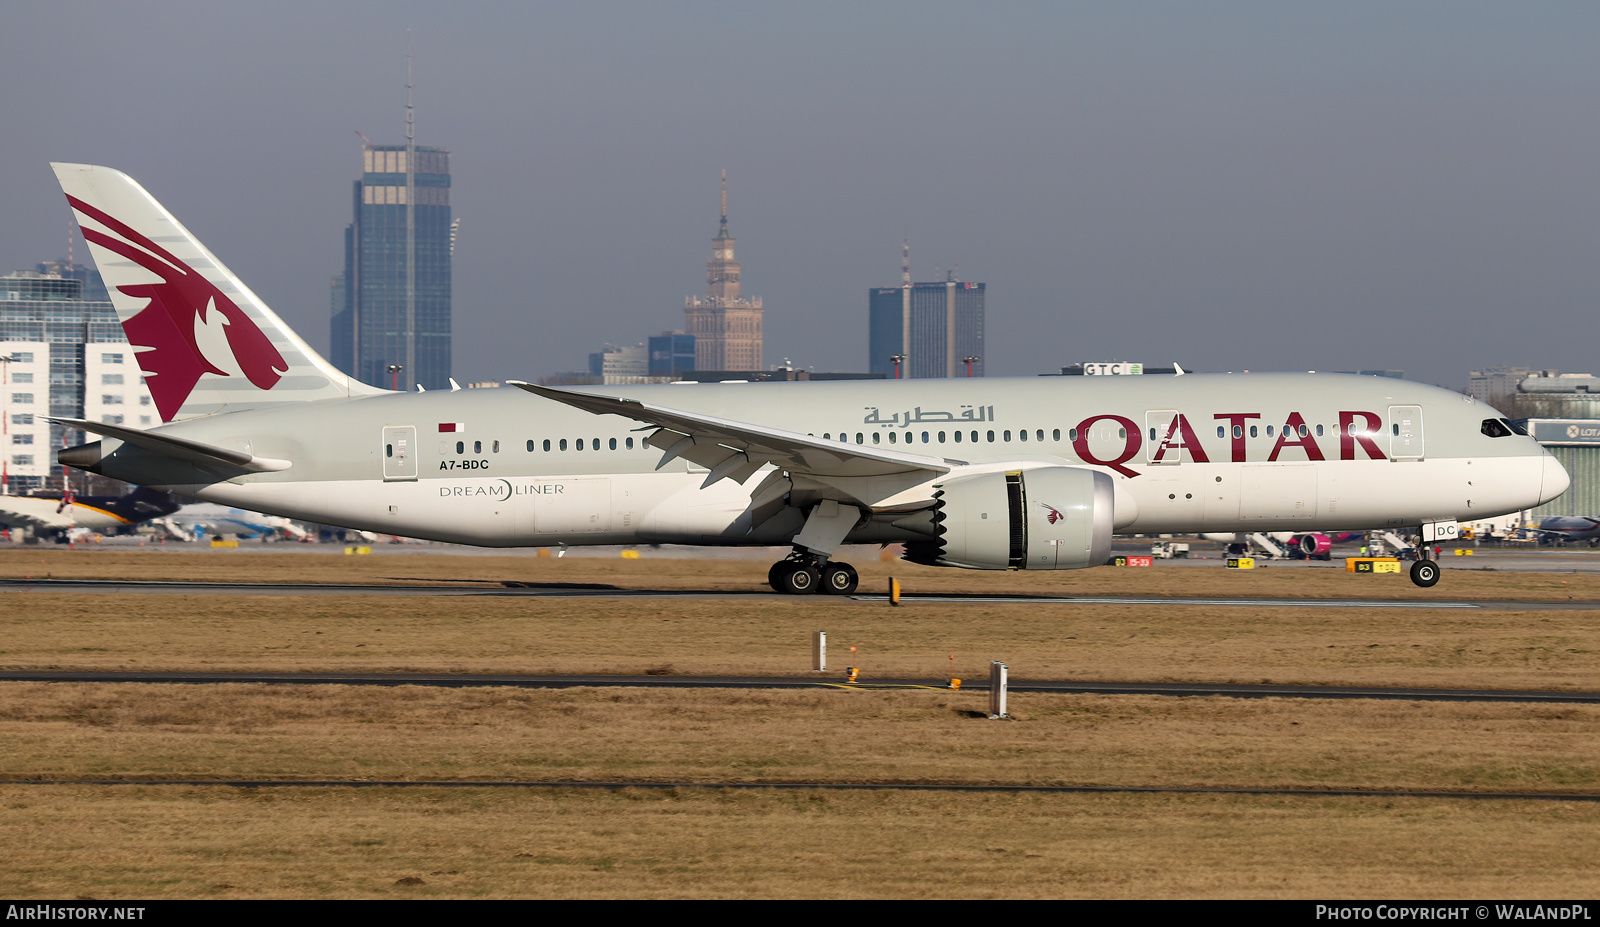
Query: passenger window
1057	434
547	444
477	447
1238	432
630	444
941	437
924	437
563	444
530	445
388	450
1252	431
461	447
1006	435
613	444
957	436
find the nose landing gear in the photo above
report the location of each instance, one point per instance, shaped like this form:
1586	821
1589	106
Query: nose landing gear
1425	573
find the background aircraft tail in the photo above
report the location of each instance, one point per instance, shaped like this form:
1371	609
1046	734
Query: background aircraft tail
205	342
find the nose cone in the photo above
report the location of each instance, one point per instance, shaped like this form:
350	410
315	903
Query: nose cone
1555	481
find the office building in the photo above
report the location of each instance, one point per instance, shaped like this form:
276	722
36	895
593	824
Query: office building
726	326
395	290
934	328
68	358
671	354
616	365
94	289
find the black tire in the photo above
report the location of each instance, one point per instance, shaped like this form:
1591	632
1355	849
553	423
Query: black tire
799	579
1425	573
775	572
839	579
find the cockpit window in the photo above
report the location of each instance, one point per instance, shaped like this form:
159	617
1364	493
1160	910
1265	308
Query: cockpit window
1495	428
1515	426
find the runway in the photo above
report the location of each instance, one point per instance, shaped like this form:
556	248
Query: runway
607	591
817	681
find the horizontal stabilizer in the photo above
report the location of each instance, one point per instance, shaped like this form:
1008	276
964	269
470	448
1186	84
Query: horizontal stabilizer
207	455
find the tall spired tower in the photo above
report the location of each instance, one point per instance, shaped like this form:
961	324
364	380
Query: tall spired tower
726	326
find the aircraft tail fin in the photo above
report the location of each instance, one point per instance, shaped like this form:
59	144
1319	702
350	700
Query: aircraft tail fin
204	341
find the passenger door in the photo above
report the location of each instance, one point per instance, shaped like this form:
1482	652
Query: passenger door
399	452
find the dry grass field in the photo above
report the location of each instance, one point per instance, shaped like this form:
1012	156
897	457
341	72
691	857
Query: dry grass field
134	841
130	842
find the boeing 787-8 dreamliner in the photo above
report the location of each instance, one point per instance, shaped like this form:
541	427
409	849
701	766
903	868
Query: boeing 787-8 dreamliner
1025	474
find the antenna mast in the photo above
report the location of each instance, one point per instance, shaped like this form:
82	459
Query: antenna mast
905	263
411	223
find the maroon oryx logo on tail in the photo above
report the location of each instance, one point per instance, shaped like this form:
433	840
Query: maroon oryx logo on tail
172	360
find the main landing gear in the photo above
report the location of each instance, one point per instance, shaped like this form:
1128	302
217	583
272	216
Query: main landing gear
807	569
802	573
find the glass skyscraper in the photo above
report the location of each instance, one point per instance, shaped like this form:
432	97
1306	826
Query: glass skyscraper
69	359
396	284
935	327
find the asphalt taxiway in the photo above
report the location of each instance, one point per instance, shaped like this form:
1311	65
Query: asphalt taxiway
814	681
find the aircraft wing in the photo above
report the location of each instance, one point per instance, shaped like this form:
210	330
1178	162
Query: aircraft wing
38	514
738	449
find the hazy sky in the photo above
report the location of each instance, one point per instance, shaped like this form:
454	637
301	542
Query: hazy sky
1271	186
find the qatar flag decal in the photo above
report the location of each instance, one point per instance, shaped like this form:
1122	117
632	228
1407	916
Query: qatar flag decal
447	427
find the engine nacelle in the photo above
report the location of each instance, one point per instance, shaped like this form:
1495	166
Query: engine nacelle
1046	518
1314	545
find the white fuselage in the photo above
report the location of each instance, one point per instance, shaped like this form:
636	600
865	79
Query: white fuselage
1187	454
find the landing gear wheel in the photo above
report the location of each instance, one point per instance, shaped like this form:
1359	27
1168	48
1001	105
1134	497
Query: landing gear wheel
798	578
775	573
1425	573
839	579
